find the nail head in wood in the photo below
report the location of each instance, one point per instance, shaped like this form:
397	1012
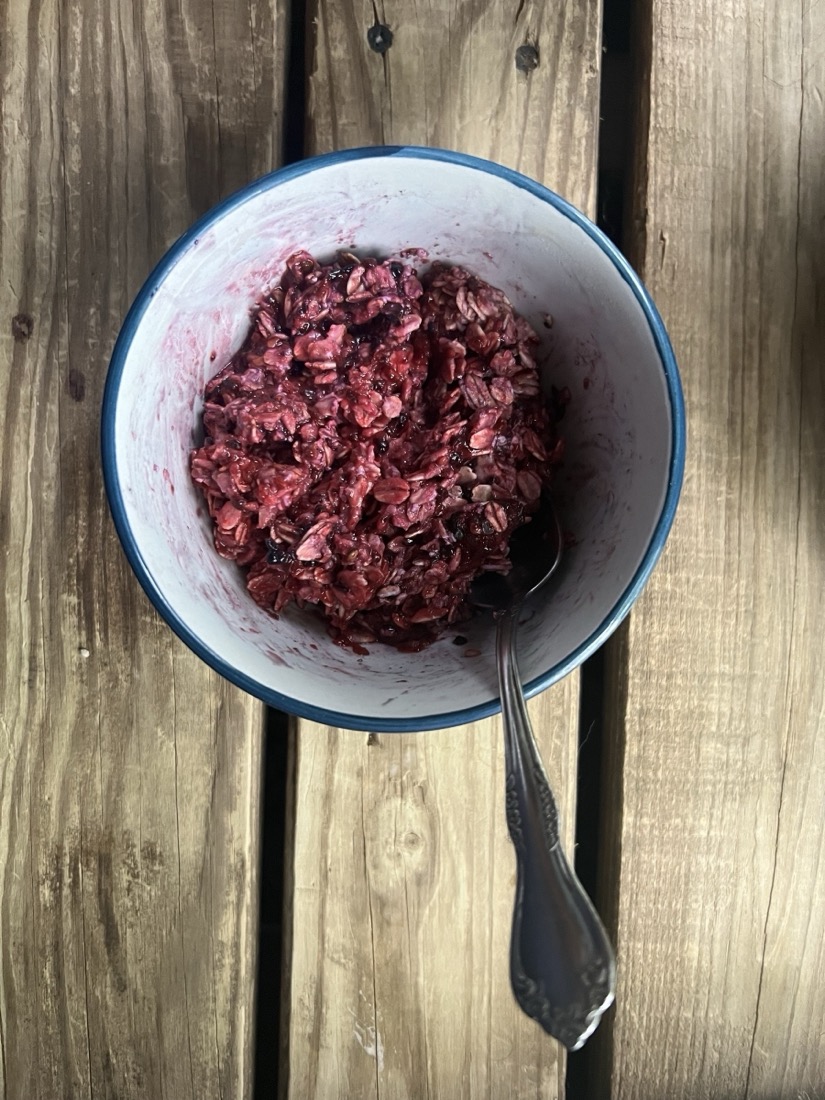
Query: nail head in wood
22	327
379	37
527	58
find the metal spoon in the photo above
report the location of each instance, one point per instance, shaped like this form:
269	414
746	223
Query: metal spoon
562	966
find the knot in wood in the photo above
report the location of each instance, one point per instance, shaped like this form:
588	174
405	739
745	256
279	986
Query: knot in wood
412	841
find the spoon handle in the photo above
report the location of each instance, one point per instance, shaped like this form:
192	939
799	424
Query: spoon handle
562	965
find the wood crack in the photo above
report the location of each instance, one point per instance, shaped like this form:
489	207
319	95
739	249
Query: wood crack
792	620
182	932
80	872
372	944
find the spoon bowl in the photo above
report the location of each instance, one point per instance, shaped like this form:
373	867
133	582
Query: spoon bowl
536	550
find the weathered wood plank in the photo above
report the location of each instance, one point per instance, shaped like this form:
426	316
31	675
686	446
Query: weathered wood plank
129	773
449	79
402	871
717	781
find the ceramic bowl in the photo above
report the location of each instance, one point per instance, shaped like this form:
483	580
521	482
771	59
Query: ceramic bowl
601	337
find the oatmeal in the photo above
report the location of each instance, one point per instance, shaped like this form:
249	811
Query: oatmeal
374	443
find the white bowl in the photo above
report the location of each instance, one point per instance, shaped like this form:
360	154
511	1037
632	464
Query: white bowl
624	428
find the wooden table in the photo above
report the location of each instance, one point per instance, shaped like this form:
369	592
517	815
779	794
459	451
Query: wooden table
131	775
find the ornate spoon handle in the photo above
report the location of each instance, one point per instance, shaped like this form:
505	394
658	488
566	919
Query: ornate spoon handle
562	965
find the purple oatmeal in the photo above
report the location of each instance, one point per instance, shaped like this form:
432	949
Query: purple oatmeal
373	445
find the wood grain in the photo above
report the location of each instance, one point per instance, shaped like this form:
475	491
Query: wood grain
714	826
402	875
129	773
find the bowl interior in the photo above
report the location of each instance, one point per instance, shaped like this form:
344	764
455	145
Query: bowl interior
596	339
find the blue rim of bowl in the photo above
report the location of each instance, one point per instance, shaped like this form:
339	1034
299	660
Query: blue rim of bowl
322	714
